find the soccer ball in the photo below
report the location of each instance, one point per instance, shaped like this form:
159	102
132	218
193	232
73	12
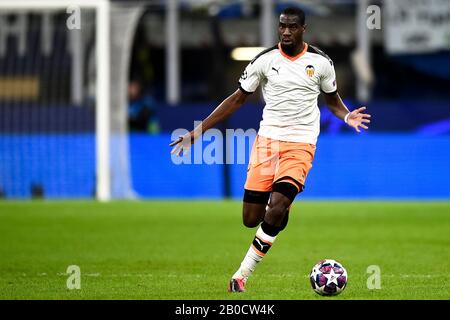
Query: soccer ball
328	277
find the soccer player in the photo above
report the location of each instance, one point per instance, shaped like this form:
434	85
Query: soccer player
292	75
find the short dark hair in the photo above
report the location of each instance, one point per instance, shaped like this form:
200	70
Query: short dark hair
293	11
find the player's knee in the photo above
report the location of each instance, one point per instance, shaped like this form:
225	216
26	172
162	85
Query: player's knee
278	211
283	195
254	207
251	217
284	223
250	222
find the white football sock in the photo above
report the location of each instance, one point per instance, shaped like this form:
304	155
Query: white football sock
258	249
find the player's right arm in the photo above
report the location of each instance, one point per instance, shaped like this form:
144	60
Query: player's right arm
223	111
248	83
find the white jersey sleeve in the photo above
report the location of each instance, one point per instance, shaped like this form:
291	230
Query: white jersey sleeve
328	78
252	76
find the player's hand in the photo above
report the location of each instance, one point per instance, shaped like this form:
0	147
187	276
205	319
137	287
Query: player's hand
182	144
358	119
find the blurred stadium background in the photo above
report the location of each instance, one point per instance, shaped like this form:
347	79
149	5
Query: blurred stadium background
171	63
88	113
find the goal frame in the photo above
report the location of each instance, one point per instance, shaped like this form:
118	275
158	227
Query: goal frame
103	57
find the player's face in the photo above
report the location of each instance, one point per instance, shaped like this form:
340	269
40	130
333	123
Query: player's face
290	31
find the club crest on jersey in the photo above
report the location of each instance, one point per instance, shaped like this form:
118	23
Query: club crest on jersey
310	70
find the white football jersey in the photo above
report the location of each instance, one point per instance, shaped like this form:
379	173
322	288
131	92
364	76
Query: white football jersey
290	87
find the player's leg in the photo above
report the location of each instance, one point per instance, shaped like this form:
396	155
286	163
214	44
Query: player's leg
275	220
255	204
284	193
289	180
254	207
294	165
258	186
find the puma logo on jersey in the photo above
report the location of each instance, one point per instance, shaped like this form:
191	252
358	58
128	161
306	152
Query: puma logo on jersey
277	70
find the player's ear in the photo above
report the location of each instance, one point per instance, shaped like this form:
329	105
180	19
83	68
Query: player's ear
304	27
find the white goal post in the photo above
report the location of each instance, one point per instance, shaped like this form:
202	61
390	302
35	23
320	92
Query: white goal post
102	122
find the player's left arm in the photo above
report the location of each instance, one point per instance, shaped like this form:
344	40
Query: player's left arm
356	119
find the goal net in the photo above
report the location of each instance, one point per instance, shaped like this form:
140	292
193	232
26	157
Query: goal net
63	104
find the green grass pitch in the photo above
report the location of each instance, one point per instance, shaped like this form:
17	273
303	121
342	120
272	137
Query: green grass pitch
189	250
